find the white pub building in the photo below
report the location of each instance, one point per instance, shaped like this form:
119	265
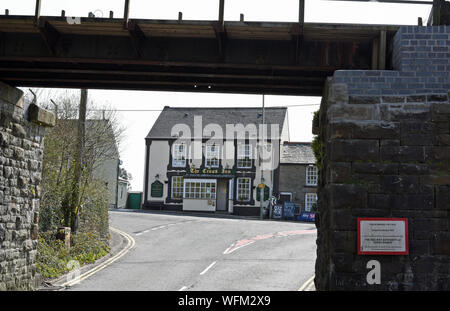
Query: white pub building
211	159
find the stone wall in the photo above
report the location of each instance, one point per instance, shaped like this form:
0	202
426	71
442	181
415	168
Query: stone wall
293	179
386	142
21	143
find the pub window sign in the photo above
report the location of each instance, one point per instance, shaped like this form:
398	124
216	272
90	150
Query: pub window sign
383	236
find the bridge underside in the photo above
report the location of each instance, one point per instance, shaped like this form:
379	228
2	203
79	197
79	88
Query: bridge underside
197	56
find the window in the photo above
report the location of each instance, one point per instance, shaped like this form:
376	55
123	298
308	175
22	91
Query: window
177	187
212	155
244	156
179	155
310	199
243	189
311	175
199	189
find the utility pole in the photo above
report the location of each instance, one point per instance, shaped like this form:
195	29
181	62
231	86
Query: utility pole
75	200
261	190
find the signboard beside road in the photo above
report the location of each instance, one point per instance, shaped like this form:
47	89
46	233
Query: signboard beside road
277	211
307	216
290	210
383	236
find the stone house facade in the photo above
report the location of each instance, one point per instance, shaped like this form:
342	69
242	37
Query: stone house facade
298	175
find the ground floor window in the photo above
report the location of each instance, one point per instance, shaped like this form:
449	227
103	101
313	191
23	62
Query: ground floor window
310	199
243	189
177	187
200	188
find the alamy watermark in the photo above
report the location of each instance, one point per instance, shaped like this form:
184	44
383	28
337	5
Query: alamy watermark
253	142
74	275
76	20
374	275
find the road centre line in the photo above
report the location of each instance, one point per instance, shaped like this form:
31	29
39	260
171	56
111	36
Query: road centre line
209	267
162	227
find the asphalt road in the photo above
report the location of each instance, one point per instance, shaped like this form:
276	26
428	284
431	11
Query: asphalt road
178	252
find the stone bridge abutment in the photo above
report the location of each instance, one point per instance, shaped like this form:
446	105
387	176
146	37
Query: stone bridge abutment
22	129
385	144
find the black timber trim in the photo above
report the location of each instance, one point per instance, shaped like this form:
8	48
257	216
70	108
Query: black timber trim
148	143
169	198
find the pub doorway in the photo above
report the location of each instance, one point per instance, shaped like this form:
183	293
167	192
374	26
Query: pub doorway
222	195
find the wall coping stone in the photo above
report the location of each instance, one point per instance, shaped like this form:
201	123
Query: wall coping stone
11	95
41	116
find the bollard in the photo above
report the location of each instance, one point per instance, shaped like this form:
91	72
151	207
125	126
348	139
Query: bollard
63	234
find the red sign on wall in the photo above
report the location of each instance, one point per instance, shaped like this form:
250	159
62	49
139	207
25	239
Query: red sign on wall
383	236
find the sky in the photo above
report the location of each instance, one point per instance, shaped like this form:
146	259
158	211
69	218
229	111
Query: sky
138	124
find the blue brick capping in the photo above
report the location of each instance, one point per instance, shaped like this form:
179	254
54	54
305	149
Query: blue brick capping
421	58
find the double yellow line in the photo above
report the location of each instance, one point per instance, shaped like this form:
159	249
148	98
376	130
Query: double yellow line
307	284
130	244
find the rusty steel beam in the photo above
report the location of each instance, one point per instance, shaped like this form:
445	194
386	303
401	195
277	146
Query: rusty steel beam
382	51
49	35
221	38
375	53
169	86
165	64
137	37
24	71
172	55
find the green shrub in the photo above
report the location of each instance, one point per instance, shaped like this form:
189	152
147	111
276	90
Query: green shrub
93	215
52	256
317	147
88	247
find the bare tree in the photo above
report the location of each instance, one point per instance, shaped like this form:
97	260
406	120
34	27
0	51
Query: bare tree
102	139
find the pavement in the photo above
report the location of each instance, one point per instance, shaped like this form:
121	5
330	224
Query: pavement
179	252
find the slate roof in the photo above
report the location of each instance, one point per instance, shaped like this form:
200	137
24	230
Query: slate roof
170	116
297	153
